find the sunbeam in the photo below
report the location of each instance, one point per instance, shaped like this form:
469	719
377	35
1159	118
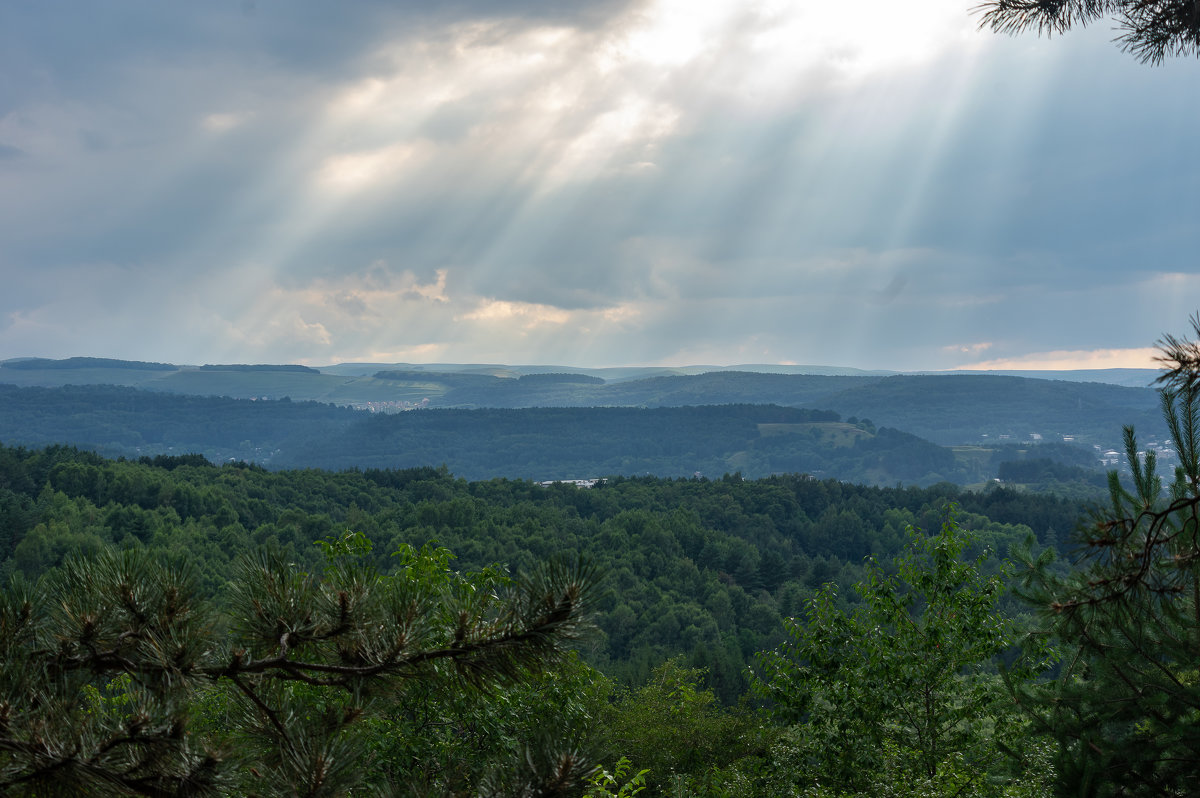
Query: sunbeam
875	185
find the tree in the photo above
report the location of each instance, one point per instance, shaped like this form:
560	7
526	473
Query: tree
899	689
1126	708
687	742
1152	30
117	679
435	739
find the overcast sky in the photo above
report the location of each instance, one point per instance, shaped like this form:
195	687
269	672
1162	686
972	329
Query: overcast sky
590	183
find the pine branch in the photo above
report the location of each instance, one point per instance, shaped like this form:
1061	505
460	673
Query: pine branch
1153	30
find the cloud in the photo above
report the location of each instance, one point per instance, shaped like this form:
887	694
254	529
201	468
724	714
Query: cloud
968	349
1140	358
222	122
526	314
593	182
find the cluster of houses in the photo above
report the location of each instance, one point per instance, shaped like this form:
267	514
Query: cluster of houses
1107	457
579	483
390	407
1164	452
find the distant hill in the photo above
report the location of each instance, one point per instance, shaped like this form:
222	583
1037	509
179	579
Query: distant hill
532	443
960	408
608	374
81	363
1129	378
949	409
261	367
560	378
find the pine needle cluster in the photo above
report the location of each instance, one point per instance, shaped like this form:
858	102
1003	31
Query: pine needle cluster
117	678
1150	30
1126	707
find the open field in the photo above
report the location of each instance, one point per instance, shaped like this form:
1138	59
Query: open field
837	434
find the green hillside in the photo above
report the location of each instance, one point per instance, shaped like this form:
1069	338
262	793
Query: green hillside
530	443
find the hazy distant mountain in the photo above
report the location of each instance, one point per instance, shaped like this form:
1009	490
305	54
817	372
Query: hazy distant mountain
982	412
1129	378
541	444
947	408
348	383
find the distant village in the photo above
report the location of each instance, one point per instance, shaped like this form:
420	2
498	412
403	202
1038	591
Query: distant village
389	407
1106	457
579	483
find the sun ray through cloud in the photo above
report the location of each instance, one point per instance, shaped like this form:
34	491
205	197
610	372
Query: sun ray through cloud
876	185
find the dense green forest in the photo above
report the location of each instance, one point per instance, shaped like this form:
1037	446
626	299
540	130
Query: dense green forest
724	658
703	569
178	626
700	573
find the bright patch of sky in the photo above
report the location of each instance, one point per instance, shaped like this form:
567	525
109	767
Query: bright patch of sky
608	182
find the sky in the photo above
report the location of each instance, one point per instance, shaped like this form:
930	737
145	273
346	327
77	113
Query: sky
876	185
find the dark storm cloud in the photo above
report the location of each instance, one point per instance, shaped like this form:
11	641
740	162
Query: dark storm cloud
75	44
136	73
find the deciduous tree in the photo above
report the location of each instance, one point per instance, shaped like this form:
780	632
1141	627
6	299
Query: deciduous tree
904	687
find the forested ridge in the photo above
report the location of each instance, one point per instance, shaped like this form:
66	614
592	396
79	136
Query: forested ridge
947	409
542	444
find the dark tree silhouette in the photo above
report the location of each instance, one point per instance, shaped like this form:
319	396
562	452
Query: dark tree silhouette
1150	30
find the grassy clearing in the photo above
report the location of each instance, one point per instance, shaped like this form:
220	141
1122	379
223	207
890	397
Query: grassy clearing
369	389
973	456
837	434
